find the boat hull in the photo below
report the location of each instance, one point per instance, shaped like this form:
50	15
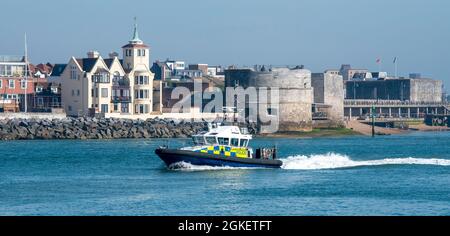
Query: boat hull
172	156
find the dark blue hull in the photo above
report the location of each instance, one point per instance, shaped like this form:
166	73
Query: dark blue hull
174	156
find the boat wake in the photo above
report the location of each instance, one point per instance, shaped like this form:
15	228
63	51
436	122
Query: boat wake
184	166
336	161
321	161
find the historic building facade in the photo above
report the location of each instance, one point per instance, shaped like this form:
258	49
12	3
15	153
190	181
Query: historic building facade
112	86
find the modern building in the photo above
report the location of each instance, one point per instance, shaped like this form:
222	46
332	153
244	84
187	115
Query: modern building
188	74
396	98
215	71
403	89
175	65
97	86
348	72
162	71
202	67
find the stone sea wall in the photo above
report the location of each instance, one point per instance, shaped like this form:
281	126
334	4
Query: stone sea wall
93	128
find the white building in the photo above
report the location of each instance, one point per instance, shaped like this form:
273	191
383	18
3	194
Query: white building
94	85
176	65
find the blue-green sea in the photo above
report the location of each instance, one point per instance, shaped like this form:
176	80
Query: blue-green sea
355	175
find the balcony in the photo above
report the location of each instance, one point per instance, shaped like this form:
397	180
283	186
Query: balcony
120	81
121	99
100	78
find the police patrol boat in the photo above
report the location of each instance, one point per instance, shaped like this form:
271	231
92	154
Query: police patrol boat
221	145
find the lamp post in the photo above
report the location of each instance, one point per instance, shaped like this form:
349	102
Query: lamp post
373	121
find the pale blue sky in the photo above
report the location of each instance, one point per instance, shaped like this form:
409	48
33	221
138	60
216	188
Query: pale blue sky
320	34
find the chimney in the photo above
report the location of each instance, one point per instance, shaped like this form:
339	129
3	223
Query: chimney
93	54
112	55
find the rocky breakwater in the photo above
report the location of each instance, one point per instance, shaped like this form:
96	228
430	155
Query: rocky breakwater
92	128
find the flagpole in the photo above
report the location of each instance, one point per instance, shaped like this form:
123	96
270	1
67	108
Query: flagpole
26	75
396	68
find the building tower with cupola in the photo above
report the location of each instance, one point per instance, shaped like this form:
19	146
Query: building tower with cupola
136	55
136	63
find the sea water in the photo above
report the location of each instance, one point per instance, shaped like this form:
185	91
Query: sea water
355	175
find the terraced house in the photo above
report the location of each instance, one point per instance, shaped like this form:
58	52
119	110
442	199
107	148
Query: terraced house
112	87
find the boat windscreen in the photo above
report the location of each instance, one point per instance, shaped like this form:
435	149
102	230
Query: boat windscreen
198	140
223	141
210	140
235	142
244	142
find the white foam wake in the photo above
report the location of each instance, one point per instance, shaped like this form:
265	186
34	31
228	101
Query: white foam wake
334	161
184	166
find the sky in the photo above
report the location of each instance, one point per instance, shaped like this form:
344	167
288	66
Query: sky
320	34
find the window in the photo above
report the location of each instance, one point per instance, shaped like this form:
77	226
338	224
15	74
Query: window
104	108
116	107
141	108
139	52
11	84
141	94
69	108
55	101
141	80
210	140
94	93
40	101
23	84
104	92
7	70
73	92
143	52
78	92
198	140
124	108
223	141
235	142
244	142
100	78
73	72
1	83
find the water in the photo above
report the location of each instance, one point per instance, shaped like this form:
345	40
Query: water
388	175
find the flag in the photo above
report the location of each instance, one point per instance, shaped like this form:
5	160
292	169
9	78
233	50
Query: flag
378	60
395	60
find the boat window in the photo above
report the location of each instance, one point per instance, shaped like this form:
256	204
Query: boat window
244	142
235	142
198	140
211	140
223	141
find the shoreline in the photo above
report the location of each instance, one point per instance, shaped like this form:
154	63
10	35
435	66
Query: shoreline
83	128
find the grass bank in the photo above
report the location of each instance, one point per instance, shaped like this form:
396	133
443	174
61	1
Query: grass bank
329	132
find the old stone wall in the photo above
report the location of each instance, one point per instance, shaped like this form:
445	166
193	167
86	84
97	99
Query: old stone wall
295	93
328	90
426	90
